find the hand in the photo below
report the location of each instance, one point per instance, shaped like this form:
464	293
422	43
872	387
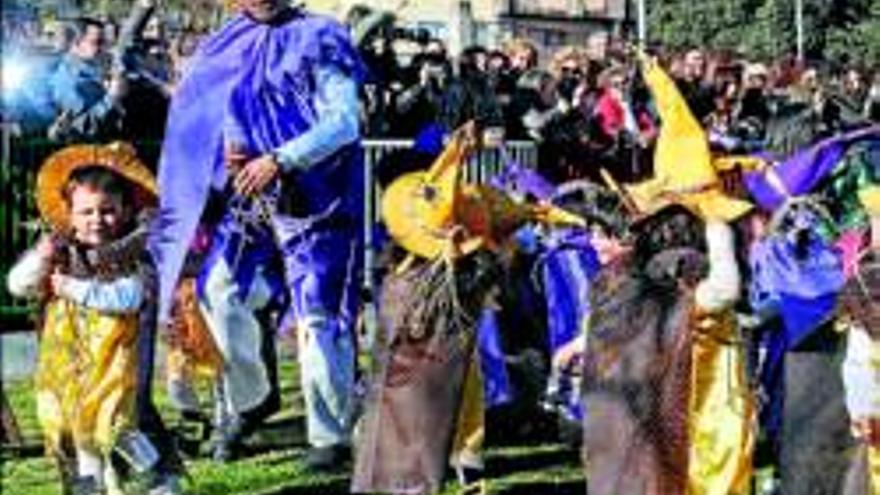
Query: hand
118	86
647	61
57	281
493	137
46	247
866	429
875	233
256	175
235	160
566	355
60	126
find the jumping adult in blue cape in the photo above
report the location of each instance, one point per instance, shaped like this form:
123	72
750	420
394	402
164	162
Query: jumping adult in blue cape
267	120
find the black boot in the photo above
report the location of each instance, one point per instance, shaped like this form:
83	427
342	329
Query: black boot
328	459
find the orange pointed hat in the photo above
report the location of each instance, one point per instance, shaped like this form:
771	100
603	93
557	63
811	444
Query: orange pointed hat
427	212
55	173
684	171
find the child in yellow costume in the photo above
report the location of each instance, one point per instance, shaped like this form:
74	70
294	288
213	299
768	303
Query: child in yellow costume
668	407
86	272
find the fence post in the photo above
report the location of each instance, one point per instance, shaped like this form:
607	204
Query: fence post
370	308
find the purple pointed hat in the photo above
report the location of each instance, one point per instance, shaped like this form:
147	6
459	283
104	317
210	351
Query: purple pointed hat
803	171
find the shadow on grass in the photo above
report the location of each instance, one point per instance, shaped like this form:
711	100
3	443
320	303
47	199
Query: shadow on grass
544	488
337	487
283	433
498	467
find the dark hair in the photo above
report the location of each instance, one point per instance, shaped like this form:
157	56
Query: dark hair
99	179
467	63
673	227
80	26
498	54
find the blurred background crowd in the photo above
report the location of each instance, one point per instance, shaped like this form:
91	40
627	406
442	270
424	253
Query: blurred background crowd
100	78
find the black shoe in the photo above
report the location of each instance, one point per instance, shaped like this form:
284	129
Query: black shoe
253	419
86	485
225	449
191	432
328	459
226	443
471	479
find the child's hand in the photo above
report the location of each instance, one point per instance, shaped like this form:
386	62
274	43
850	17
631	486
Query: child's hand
567	354
46	247
57	281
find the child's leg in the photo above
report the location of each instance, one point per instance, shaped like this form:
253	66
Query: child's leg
227	424
90	472
65	461
470	430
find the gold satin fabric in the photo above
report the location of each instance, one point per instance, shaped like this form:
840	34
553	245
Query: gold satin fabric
470	429
721	410
874	469
86	376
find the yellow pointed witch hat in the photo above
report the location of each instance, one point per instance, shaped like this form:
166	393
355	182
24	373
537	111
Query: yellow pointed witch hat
427	212
683	167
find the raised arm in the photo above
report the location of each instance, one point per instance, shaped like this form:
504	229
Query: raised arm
721	288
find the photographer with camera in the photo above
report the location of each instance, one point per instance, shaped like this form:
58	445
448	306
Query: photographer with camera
86	108
373	33
419	105
470	96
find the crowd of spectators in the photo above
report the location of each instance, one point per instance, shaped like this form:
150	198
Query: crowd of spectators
585	107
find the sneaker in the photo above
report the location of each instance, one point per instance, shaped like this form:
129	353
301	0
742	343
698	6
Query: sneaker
471	479
253	419
225	448
327	459
193	430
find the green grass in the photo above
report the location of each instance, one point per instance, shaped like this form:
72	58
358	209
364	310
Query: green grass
275	462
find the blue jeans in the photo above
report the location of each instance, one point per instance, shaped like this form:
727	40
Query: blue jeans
321	271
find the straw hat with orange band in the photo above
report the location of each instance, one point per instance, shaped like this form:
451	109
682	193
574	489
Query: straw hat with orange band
55	173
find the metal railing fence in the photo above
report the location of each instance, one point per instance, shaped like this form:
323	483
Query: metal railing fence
22	157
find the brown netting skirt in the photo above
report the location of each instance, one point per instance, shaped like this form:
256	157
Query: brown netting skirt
636	386
817	447
405	436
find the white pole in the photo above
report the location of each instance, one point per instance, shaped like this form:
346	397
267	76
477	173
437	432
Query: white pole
642	23
799	25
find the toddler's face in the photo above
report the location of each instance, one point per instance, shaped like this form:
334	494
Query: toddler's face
95	216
